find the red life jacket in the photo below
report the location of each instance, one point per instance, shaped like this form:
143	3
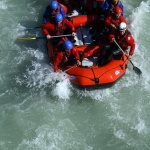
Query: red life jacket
112	19
62	56
116	21
61	28
122	40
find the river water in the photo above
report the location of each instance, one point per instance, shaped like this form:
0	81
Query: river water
41	110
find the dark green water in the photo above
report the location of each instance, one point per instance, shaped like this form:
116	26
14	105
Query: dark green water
40	110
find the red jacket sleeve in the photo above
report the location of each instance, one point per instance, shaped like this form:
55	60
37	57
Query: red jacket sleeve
75	53
48	28
111	35
122	19
116	22
57	61
69	25
130	42
108	20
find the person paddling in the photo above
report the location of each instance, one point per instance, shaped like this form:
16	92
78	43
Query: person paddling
60	27
124	39
110	5
66	54
51	10
112	21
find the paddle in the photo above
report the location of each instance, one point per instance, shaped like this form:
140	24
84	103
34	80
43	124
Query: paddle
32	28
29	38
66	69
69	68
36	38
136	69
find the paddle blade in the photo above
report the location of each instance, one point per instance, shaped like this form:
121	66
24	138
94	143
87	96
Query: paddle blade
29	38
137	70
26	38
32	28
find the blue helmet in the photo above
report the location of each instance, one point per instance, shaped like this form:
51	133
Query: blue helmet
67	45
58	17
54	5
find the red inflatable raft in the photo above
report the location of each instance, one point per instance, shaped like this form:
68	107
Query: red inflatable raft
89	74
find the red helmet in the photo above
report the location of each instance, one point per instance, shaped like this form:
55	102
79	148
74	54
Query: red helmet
118	10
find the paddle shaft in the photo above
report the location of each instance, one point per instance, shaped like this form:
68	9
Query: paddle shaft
136	69
69	68
120	47
66	69
32	28
35	38
122	51
61	35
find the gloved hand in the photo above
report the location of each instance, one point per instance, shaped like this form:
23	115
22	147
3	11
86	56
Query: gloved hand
111	39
